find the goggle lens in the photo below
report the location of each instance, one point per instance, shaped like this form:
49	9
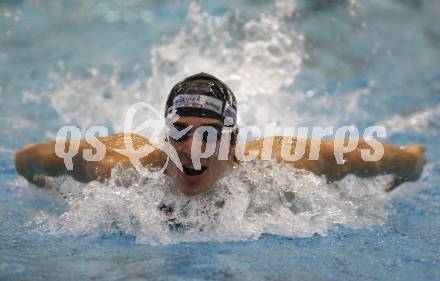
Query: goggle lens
176	135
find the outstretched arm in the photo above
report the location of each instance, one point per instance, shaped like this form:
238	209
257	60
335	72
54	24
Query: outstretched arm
405	163
38	162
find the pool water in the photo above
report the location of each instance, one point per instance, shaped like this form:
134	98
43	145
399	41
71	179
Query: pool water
290	63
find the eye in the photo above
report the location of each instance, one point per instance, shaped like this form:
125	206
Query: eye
180	127
179	132
179	137
215	131
205	136
219	131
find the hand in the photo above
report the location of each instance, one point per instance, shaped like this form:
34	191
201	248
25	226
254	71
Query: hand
43	181
417	151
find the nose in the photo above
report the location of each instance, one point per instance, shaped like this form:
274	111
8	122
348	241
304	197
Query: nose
184	147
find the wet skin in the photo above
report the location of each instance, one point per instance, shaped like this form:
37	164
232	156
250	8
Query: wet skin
192	183
39	162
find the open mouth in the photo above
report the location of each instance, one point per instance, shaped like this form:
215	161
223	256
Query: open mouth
192	172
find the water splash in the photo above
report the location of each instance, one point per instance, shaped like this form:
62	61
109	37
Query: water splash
422	122
256	198
256	58
260	60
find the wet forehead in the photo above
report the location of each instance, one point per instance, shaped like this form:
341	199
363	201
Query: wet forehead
198	121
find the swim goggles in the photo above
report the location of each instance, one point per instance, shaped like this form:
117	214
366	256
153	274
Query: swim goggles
180	132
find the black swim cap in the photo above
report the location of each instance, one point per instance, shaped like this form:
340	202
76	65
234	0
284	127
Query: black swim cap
202	95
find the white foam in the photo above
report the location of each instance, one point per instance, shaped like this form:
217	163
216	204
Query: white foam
423	121
257	59
260	60
259	197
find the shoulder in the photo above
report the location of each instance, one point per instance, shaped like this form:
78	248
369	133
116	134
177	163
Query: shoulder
274	144
117	141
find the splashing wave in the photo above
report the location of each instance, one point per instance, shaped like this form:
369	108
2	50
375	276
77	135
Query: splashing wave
260	60
256	198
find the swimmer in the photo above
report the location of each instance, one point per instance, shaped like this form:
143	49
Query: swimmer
204	100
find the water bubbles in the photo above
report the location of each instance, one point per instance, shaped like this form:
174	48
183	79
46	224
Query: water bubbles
13	15
6	13
260	60
418	122
256	198
257	59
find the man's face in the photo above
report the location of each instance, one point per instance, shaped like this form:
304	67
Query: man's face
191	181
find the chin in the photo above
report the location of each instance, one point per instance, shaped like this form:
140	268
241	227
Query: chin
192	189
